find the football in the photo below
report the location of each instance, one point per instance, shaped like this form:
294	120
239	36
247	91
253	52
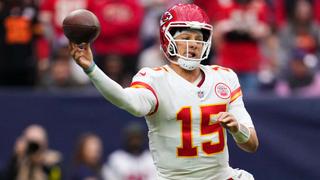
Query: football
81	26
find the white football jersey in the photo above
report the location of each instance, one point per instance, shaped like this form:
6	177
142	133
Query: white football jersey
185	140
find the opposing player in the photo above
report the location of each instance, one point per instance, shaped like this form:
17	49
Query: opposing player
189	107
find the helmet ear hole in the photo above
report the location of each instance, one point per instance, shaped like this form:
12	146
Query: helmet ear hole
172	49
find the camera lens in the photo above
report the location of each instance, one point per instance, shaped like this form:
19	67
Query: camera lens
32	147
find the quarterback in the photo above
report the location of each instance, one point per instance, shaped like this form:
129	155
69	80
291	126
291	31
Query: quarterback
189	108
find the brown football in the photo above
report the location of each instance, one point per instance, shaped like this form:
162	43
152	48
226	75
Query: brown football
81	26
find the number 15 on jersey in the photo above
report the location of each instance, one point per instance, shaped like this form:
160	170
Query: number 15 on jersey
207	127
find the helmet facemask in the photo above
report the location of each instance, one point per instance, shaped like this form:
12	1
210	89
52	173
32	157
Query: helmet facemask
188	60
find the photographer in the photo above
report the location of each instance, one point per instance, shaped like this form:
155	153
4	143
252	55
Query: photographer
32	160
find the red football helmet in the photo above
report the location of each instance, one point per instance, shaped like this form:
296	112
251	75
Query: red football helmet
184	16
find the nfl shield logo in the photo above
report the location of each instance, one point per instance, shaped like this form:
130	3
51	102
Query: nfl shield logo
200	94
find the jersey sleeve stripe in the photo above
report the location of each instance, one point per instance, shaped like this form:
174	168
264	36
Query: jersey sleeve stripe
235	94
139	84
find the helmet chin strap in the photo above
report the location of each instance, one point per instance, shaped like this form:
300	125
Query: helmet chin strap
186	64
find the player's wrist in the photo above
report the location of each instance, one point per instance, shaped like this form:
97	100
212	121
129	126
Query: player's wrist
242	135
89	69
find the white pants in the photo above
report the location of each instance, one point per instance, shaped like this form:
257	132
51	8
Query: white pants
242	175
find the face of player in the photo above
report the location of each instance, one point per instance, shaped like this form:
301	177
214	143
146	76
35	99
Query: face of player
190	44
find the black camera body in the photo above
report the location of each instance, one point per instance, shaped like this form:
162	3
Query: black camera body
32	148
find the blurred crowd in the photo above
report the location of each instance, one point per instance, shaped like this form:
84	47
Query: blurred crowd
33	159
273	45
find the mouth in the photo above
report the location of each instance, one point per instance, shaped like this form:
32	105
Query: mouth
190	54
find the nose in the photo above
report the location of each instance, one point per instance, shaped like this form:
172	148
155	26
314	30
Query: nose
193	44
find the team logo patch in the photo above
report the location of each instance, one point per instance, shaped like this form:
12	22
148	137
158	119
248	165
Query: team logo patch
167	16
222	91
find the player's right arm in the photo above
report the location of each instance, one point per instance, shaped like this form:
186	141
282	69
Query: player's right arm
137	101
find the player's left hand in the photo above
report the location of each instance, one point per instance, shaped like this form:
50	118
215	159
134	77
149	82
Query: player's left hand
228	121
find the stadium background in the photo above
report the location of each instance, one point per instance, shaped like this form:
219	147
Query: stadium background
288	127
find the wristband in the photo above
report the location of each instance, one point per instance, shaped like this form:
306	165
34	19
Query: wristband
90	68
243	134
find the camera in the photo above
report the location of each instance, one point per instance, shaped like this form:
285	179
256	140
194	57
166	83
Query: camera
32	147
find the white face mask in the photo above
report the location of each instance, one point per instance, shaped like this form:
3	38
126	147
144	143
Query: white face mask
190	62
187	61
184	60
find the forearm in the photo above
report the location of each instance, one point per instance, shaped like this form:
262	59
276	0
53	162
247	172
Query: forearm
138	102
252	144
244	135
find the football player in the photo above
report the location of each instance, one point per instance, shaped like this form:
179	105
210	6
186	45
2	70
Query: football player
189	108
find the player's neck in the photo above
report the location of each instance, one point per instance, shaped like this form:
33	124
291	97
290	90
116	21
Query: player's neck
190	76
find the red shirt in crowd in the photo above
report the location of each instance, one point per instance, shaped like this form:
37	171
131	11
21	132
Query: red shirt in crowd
213	8
120	26
237	51
57	10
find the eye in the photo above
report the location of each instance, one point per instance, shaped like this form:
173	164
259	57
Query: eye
184	38
199	38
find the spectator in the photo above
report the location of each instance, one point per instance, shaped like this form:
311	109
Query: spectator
19	18
151	56
284	9
114	65
32	160
241	26
214	8
63	73
270	66
120	27
52	13
59	74
88	154
302	78
300	32
153	10
132	162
